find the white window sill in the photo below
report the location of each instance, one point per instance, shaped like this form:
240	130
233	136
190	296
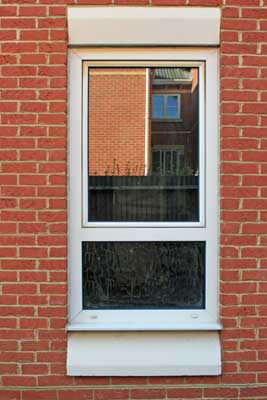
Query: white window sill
144	353
96	326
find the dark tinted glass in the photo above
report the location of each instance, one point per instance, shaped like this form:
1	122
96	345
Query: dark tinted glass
143	275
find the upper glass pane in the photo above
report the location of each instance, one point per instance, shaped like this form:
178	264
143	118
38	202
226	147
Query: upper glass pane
172	107
157	106
143	144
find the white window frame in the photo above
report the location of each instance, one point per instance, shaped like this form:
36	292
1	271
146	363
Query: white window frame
165	116
121	58
82	230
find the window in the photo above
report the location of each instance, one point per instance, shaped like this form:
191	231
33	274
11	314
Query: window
148	234
167	160
165	106
143	206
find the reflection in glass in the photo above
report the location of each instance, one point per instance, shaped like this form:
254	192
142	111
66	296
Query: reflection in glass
172	107
157	106
153	275
143	144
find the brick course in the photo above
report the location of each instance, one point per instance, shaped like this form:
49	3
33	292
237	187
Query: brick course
33	134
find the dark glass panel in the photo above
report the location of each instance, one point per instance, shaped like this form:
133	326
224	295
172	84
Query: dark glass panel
143	275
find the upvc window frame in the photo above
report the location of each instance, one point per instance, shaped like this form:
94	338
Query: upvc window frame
122	60
206	59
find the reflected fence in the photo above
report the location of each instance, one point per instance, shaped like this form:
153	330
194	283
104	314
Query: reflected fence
143	198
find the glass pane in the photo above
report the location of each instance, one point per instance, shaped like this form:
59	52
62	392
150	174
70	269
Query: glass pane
172	107
141	168
143	275
157	107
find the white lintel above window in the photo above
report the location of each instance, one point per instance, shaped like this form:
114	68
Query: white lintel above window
144	26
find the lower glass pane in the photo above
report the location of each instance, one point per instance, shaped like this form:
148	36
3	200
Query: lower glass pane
143	275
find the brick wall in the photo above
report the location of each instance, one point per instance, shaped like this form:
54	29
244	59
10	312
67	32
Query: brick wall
33	217
117	106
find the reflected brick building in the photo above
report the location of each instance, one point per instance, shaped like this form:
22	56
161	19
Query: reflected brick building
143	121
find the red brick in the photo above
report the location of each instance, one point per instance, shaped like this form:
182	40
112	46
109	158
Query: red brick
18	71
32	227
27	155
18	356
29	11
7	35
29	299
34	35
18	264
6	11
33	323
240	24
239	287
33	252
8	369
39	394
184	393
20	23
35	345
19	288
73	394
57	10
10	394
110	394
21	47
220	392
131	2
19	381
55	380
8	323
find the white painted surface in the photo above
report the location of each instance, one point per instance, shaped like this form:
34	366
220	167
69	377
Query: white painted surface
184	26
156	326
143	354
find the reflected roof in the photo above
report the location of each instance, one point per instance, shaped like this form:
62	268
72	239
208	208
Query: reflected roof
173	73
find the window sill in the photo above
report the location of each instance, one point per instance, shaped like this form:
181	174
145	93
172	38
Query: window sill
96	326
166	353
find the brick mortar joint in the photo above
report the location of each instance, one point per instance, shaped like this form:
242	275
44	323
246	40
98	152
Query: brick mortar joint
139	386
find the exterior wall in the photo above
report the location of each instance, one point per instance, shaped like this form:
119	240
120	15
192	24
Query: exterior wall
33	220
117	136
